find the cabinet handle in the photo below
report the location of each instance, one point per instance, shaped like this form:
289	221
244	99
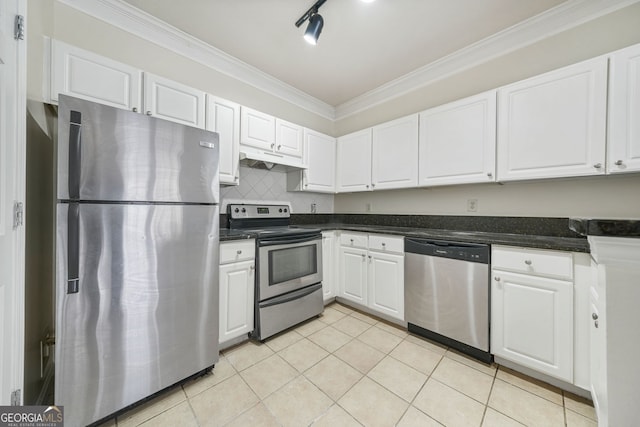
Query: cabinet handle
527	261
618	163
594	316
135	109
597	165
489	174
496	278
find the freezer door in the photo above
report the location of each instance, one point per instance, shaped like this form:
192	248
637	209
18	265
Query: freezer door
136	302
109	154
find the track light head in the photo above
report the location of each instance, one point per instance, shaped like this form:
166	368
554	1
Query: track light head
314	28
315	22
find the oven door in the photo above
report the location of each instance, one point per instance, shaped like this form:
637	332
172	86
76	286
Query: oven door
288	263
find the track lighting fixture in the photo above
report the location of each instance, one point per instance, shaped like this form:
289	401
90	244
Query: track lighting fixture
315	22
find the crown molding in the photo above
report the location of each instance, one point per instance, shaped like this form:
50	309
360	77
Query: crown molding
556	20
128	18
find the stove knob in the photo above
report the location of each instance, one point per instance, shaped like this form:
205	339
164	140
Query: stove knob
285	210
280	210
243	210
237	210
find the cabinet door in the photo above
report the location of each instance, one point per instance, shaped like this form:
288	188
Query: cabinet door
173	101
394	157
353	274
458	142
224	117
85	75
386	283
328	265
236	299
320	156
554	125
289	138
354	161
257	129
624	111
532	322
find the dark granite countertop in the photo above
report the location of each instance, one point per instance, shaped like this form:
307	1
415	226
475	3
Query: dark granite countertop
605	227
573	244
226	235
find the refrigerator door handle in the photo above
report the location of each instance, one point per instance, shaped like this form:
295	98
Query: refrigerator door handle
75	138
73	248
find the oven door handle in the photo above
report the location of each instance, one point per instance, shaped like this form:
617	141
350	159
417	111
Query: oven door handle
292	241
291	296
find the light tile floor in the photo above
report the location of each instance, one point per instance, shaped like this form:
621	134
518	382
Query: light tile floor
346	368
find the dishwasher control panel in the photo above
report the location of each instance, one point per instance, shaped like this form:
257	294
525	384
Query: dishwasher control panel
462	251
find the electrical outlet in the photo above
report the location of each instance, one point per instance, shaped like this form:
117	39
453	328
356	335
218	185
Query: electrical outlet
472	205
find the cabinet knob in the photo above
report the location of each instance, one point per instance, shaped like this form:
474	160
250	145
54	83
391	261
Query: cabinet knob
384	244
496	278
367	185
148	113
595	323
236	178
279	147
239	252
351	240
527	261
135	109
373	185
363	257
597	165
273	145
618	163
306	185
594	316
489	174
252	267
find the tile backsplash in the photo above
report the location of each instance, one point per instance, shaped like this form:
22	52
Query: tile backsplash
270	186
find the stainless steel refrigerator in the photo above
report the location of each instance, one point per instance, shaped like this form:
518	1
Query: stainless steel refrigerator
137	238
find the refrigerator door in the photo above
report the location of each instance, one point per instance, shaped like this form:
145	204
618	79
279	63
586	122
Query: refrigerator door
109	154
137	302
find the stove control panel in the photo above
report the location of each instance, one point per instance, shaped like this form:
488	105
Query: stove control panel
258	211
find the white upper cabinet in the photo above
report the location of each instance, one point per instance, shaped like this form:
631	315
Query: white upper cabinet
354	161
554	125
266	134
289	138
257	129
83	74
394	155
224	117
173	101
458	142
320	157
624	111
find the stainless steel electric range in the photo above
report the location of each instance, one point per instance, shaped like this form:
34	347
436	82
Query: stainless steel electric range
288	267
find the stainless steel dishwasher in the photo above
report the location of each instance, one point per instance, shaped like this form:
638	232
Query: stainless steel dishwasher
447	293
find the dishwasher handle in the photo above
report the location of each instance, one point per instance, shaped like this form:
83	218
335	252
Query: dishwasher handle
471	252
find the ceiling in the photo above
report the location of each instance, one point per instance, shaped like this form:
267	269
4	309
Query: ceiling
363	45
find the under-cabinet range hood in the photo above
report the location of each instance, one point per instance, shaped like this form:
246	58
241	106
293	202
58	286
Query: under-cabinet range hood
269	161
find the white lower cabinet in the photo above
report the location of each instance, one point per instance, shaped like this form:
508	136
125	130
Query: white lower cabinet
329	259
371	272
237	274
532	309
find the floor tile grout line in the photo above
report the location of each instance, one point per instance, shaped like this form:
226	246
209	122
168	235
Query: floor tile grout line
535	394
486	406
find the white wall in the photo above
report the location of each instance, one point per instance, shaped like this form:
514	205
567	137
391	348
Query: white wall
598	197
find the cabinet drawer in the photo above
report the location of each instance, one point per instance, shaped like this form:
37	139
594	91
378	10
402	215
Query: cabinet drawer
237	251
533	261
386	243
354	240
